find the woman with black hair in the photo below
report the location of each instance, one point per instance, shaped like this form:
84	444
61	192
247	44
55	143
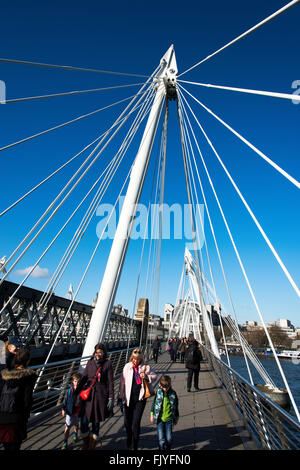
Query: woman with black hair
99	404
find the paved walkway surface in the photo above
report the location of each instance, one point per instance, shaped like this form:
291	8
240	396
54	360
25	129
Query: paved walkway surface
207	420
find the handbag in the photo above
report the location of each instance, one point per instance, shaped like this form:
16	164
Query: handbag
149	392
84	394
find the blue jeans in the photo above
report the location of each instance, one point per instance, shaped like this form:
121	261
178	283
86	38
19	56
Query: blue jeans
84	427
164	435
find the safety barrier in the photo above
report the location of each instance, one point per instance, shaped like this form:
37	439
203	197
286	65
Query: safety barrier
55	378
270	426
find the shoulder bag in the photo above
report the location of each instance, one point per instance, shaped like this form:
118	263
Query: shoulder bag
84	394
149	392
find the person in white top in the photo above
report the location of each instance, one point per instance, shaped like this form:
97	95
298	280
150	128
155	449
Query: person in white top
131	394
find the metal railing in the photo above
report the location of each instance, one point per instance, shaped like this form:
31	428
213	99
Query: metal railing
269	425
55	378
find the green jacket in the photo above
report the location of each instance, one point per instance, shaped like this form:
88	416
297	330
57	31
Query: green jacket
157	405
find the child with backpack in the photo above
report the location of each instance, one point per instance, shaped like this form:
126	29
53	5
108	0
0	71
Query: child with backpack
164	412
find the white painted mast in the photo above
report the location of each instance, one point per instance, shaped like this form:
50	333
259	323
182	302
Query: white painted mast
107	292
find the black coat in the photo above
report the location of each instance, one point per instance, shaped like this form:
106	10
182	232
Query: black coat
95	407
193	356
16	390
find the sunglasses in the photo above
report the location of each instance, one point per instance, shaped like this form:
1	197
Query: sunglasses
137	351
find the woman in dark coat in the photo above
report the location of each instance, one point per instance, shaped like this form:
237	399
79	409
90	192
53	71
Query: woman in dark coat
100	404
16	390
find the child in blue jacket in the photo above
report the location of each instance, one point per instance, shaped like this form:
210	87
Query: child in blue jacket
165	412
71	410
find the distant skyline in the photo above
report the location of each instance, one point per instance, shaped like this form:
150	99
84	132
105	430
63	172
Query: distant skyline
131	37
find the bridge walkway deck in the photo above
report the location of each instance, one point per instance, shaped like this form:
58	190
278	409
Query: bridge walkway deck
207	420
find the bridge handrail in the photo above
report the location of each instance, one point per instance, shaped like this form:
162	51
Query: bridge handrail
270	425
55	378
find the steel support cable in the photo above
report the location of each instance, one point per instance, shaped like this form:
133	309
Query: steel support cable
130	228
259	367
243	139
213	232
158	156
266	238
91	210
85	272
59	126
54	173
258	25
180	95
46	250
144	240
153	221
272	94
210	222
207	253
156	265
73	177
219	256
67	93
141	256
196	261
251	290
239	335
192	179
68	67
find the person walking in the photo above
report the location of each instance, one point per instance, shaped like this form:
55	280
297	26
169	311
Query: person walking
174	350
164	412
155	349
71	410
16	391
131	395
100	402
193	357
182	350
13	345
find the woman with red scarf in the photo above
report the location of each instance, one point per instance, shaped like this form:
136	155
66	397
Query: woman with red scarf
131	394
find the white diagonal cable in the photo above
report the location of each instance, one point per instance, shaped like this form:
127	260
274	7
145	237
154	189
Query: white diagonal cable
67	67
91	210
59	126
54	239
266	238
79	179
67	93
273	94
251	292
261	154
258	25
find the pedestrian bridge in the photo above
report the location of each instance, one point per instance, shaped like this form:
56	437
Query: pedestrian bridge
207	419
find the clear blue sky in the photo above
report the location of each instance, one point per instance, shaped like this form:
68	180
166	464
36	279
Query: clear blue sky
132	36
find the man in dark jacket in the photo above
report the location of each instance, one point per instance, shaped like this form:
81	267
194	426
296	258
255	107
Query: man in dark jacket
155	349
193	357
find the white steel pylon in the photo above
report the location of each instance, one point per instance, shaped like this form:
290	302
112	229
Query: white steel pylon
107	292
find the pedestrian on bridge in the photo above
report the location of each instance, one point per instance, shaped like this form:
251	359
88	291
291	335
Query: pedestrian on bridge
182	350
193	357
165	412
131	394
155	349
16	390
71	410
99	405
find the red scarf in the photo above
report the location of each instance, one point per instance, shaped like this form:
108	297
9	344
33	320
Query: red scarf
136	373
